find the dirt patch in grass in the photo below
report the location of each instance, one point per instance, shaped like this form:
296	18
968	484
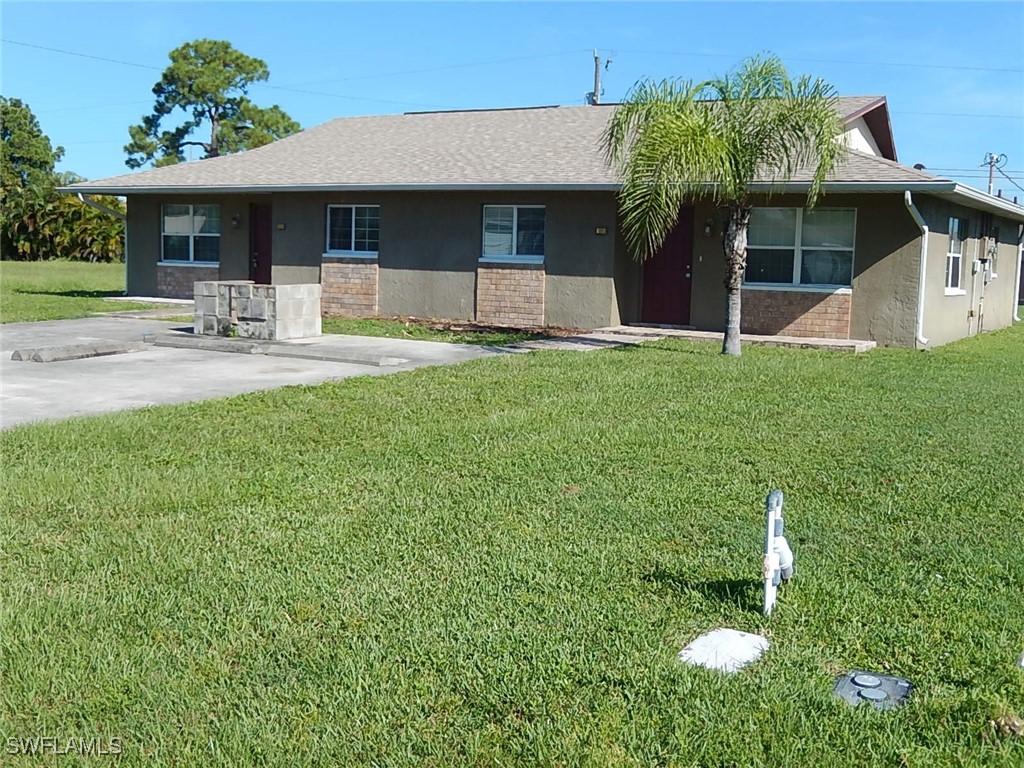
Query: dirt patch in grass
461	326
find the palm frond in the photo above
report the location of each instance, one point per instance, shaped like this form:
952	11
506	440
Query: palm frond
675	140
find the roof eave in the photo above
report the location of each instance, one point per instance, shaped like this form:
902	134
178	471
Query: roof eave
271	188
839	187
985	201
950	190
170	189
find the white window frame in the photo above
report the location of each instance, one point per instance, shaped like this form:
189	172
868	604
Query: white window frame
797	249
514	258
192	235
957	256
349	253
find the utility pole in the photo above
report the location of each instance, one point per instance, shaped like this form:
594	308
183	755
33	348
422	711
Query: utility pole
993	161
594	97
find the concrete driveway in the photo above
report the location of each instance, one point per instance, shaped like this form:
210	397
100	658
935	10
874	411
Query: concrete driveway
157	375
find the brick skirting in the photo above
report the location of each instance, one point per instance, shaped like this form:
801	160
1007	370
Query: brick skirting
510	294
179	282
795	313
349	287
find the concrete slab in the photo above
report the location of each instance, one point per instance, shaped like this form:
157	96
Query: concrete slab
98	328
726	650
159	375
336	352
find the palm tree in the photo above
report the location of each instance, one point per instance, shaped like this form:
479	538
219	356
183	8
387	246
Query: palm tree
678	140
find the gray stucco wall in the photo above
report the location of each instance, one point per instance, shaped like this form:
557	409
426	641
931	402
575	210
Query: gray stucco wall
980	306
884	266
430	245
144	236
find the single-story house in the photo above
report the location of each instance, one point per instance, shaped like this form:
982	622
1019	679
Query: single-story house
510	217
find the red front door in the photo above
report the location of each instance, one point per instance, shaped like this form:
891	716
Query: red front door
668	275
261	235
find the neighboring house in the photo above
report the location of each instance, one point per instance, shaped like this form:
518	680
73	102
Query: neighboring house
510	217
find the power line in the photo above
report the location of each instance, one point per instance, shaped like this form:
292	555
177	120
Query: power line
1018	186
80	55
276	87
94	106
356	98
967	170
837	61
295	89
961	114
438	68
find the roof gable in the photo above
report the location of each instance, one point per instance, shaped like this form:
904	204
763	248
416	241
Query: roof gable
875	114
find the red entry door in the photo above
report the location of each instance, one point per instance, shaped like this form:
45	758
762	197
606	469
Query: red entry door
261	236
668	276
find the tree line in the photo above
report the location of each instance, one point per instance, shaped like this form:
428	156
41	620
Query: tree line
37	221
207	81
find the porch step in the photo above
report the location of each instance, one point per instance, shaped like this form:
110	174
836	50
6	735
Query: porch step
799	342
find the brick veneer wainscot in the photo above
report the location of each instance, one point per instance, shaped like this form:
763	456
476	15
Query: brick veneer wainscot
178	282
510	294
349	287
796	313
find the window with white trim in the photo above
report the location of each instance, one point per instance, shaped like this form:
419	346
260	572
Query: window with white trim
190	233
955	253
353	230
513	233
794	246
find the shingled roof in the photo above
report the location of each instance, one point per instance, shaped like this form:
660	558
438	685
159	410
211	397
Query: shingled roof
530	148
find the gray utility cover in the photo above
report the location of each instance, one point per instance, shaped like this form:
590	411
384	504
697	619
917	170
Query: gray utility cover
881	691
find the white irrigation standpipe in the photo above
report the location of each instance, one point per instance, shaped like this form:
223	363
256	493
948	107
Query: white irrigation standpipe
778	557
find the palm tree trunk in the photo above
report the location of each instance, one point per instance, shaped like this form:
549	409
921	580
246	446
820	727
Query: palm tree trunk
734	243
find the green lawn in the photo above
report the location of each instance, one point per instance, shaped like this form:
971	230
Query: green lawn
496	563
400	329
58	290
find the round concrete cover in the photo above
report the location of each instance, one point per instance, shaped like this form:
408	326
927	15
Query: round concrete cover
867	681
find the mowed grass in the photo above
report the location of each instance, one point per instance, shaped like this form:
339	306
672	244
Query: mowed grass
401	329
59	290
496	563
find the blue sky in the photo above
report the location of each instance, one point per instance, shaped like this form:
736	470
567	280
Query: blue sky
953	72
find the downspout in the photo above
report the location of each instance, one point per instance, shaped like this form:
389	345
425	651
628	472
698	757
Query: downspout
101	207
919	220
1016	282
